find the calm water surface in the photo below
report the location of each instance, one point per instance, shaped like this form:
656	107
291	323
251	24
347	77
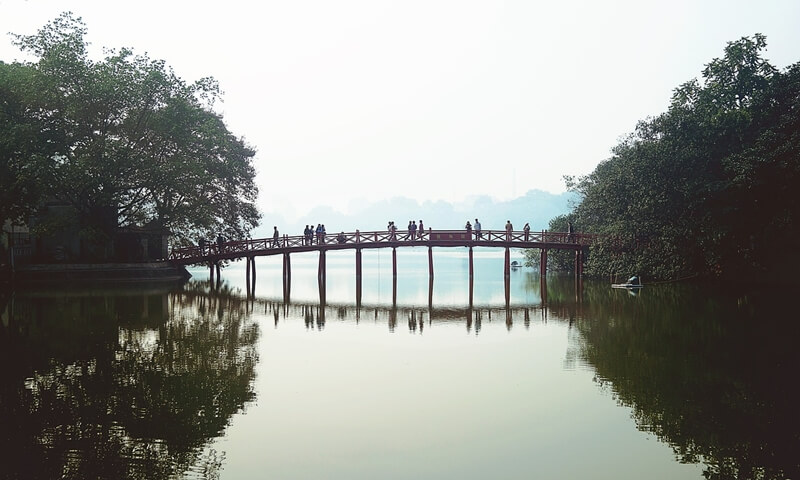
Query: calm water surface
540	380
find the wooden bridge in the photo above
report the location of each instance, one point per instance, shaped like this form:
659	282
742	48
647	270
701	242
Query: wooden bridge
213	254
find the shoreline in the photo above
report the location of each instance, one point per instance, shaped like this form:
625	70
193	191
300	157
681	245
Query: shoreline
93	272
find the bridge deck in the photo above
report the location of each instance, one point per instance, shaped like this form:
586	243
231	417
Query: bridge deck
383	239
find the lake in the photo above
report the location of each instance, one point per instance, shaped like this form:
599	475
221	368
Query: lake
450	380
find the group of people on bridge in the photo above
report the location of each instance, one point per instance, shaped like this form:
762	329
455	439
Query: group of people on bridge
415	232
310	233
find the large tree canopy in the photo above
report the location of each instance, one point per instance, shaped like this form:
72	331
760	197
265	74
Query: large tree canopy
707	187
123	132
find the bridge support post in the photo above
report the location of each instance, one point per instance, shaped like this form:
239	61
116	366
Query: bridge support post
321	284
507	285
543	289
578	263
430	263
287	268
394	262
507	268
358	277
287	292
471	289
211	272
471	269
250	264
253	263
394	292
543	263
430	296
321	268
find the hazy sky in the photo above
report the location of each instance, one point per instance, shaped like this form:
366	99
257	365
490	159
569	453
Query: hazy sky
349	101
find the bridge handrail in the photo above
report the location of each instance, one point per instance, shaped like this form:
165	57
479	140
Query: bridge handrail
376	238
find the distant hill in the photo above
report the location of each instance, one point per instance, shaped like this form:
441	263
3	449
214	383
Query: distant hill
535	207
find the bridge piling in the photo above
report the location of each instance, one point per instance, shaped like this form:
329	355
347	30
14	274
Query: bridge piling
394	262
253	263
507	283
471	269
249	264
287	292
358	277
470	291
430	292
321	269
287	268
543	263
507	267
430	264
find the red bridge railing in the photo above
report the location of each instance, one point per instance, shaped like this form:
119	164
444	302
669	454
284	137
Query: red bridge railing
377	239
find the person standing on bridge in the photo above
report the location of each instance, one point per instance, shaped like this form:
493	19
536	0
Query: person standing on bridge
478	234
509	229
220	241
468	227
421	229
570	233
527	230
275	236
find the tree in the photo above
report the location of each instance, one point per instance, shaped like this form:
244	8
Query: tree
133	136
695	189
24	146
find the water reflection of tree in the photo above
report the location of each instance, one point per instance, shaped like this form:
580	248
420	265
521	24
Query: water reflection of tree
712	378
122	386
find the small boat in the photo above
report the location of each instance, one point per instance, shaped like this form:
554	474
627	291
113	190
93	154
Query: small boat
626	285
632	282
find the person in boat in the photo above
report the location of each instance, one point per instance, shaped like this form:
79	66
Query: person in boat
634	280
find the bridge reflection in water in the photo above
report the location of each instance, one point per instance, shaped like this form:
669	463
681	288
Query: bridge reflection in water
214	255
417	316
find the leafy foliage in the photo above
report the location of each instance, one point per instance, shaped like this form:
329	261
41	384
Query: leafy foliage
125	132
704	188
